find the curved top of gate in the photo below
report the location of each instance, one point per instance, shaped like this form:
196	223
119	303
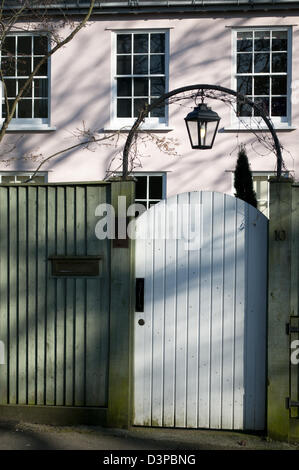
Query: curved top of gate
189	216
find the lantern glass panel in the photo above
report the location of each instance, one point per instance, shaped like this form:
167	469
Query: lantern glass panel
210	132
193	133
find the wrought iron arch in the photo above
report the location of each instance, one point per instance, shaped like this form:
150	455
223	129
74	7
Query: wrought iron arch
144	112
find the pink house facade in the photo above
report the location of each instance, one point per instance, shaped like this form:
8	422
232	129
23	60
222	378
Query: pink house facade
132	52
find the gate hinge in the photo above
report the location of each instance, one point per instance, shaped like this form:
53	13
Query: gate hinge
290	403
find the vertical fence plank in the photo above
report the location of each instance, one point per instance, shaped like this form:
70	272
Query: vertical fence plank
41	297
4	320
13	295
194	253
148	317
80	311
170	312
229	312
70	300
139	331
103	283
217	312
158	315
51	300
240	299
61	300
22	296
32	293
205	311
181	313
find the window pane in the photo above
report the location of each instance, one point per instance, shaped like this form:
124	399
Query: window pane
279	62
22	179
244	109
146	58
262	103
261	63
38	179
43	70
24	45
244	85
124	87
157	64
41	108
261	187
158	42
25	109
40	45
10	88
141	86
124	108
263	207
124	43
10	103
244	63
139	104
41	88
140	64
261	85
155	187
28	91
140	189
157	86
159	111
123	65
279	40
8	66
7	179
244	41
279	85
23	66
279	107
262	41
140	43
9	46
142	203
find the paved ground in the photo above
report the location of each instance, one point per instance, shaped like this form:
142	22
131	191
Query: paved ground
20	436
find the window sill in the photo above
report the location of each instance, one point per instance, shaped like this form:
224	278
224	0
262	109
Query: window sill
24	128
257	129
141	129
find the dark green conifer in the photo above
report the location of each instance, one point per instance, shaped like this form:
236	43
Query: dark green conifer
243	179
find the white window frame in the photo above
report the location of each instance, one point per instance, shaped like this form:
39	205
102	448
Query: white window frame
29	123
126	123
22	173
256	122
266	174
149	174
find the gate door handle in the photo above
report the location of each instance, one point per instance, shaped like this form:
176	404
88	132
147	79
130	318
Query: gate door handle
139	307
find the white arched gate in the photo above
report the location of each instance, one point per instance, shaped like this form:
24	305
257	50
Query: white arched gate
200	321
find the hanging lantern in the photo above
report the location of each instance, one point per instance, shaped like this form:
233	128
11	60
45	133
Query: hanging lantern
202	125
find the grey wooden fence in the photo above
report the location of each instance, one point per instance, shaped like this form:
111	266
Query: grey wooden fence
55	329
